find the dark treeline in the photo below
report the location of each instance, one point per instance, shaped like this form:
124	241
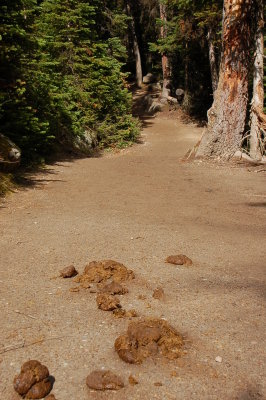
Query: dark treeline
65	68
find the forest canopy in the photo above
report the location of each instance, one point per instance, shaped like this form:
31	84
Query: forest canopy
66	67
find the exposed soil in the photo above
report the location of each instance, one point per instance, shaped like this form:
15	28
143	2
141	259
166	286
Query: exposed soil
138	206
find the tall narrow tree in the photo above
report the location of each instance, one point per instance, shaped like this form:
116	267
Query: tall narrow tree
135	45
256	145
212	58
165	60
227	116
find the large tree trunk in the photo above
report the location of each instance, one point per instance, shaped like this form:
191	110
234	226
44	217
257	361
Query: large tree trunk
136	50
227	116
165	60
212	59
256	147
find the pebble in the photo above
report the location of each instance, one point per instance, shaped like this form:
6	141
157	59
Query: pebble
218	359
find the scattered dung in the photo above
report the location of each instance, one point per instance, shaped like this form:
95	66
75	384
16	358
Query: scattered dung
114	288
146	338
158	293
74	289
69	272
158	384
107	302
121	313
179	259
142	297
104	271
34	381
104	380
132	381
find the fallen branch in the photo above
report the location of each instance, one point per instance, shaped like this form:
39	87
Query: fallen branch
192	153
260	170
26	315
22	344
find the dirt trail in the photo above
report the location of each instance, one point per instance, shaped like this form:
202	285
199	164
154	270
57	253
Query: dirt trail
138	207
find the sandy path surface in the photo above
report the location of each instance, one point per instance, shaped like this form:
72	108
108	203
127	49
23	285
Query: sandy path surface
138	207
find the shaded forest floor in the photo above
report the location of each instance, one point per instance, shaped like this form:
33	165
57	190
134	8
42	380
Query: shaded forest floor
138	207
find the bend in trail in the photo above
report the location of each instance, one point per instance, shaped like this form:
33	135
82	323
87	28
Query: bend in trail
138	207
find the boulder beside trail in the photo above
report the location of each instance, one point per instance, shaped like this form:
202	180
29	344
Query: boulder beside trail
10	154
149	78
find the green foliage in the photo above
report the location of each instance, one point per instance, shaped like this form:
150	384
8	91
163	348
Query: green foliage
62	76
19	117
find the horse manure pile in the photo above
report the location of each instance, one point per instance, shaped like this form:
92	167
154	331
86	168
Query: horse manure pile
107	302
34	381
104	271
179	259
104	380
114	288
148	338
158	293
132	380
121	313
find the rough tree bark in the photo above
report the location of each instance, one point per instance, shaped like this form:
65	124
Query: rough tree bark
212	59
227	116
256	146
165	60
136	50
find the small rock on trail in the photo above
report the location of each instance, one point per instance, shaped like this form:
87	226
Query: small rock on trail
68	272
107	302
104	380
34	381
179	259
148	338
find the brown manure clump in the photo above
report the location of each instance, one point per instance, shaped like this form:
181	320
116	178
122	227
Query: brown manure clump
158	293
179	259
34	381
104	271
107	302
104	380
147	338
121	313
114	288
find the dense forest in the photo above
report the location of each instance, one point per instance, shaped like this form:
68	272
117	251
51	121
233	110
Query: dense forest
68	68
